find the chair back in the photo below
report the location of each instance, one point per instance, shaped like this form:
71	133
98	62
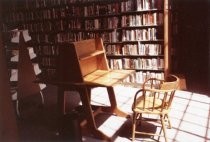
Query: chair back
170	85
156	99
152	83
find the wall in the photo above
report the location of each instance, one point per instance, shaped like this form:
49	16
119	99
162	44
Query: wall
193	49
209	43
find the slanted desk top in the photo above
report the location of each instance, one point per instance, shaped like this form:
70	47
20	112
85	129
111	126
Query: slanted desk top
106	78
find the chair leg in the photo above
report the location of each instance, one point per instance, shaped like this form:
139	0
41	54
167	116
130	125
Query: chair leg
169	122
138	119
164	129
134	126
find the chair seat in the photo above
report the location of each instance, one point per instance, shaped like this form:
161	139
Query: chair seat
149	107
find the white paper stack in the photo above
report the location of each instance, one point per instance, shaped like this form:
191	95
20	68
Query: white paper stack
15	57
14	75
14	95
37	70
42	86
15	36
31	52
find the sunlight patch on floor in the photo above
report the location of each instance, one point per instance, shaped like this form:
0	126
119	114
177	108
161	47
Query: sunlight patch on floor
189	114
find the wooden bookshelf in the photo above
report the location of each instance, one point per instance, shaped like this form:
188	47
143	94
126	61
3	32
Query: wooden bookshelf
126	27
22	70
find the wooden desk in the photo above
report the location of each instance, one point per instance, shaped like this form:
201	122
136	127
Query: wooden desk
81	66
102	78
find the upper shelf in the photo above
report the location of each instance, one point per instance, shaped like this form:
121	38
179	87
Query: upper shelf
87	56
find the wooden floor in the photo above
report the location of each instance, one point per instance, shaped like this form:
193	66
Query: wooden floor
190	117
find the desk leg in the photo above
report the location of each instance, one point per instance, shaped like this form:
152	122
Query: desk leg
61	101
113	103
89	114
60	109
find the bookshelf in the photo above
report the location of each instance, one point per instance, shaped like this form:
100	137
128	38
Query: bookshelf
23	69
135	32
141	46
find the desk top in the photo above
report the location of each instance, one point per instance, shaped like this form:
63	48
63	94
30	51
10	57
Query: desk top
106	77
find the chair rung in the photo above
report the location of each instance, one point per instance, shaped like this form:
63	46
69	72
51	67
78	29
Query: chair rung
149	119
151	134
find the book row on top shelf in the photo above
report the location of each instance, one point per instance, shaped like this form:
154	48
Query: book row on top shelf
126	4
148	20
91	11
132	30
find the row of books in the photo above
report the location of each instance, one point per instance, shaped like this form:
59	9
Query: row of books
141	76
44	14
96	9
48	62
49	73
77	36
139	63
142	49
39	26
139	34
149	4
135	49
30	4
142	19
48	26
46	50
74	10
113	49
69	37
150	49
113	36
61	37
102	23
138	5
43	38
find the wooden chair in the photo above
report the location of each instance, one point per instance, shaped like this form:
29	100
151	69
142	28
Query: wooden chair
154	99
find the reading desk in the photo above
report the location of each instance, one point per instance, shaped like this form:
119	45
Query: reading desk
82	66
